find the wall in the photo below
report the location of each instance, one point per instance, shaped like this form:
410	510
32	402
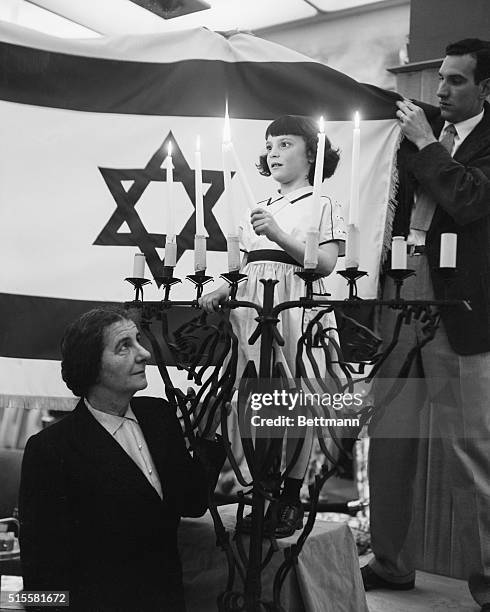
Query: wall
361	43
436	23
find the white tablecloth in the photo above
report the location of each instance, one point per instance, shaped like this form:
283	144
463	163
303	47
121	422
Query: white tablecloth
326	579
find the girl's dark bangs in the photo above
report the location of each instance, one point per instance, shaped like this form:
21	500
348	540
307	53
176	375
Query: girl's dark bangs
291	124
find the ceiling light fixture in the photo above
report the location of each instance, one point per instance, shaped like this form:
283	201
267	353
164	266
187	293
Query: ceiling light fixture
169	9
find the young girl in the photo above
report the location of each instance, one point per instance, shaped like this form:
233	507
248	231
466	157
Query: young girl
273	239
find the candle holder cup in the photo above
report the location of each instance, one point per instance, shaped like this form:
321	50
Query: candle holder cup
309	277
352	275
167	280
138	284
199	279
447	273
399	275
233	278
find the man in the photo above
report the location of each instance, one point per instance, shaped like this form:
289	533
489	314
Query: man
103	490
445	170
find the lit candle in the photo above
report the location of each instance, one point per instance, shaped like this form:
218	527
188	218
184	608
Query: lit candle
354	178
448	250
200	229
352	247
318	176
226	149
139	265
170	184
398	253
311	249
251	201
199	253
233	249
232	244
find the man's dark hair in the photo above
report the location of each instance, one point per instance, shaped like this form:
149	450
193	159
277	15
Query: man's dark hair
308	130
479	49
82	347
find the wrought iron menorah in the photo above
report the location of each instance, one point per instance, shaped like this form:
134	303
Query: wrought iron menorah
207	348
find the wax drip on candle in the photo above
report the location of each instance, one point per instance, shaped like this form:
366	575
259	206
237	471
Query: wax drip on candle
139	265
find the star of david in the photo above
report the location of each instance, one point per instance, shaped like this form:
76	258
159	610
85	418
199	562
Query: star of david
126	202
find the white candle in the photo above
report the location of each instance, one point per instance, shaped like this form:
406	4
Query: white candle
251	201
352	247
199	253
170	251
448	250
233	249
200	229
311	249
170	185
139	265
354	177
398	253
227	193
318	176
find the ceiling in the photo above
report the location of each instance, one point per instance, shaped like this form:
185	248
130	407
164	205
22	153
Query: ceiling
89	18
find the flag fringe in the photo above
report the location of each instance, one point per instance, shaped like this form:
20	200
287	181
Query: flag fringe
392	204
37	402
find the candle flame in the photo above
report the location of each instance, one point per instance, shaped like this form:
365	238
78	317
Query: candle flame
198	143
321	125
357	121
227	127
169	148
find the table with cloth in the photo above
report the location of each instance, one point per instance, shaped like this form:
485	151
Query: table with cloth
326	579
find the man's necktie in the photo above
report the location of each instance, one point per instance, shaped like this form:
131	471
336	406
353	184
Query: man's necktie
425	206
448	137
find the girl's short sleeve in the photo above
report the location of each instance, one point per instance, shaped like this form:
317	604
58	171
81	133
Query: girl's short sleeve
332	225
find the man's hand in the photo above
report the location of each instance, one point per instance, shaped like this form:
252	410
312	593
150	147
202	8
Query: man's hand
414	124
264	224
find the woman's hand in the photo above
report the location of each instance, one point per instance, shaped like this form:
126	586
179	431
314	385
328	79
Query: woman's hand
211	301
264	224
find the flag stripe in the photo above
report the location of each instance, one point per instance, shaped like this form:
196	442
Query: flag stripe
26	318
57	80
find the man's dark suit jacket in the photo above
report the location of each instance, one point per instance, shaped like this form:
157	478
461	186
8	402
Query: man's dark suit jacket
461	189
92	524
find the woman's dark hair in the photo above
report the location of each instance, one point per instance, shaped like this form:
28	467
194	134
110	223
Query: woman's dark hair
308	130
82	347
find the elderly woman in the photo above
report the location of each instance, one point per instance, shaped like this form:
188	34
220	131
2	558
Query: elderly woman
103	490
